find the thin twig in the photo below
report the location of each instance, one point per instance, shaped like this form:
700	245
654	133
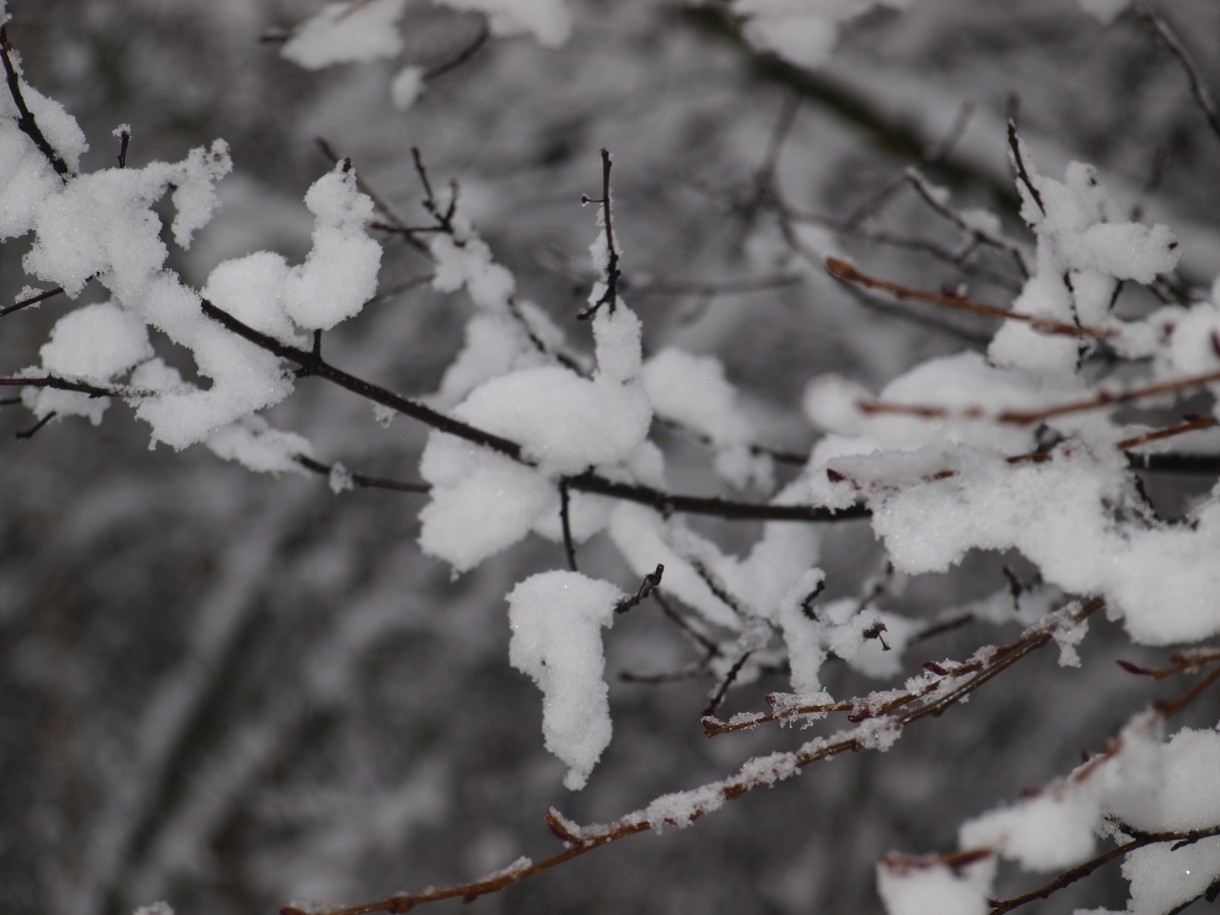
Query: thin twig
1175	47
464	55
925	192
1018	161
1029	417
842	270
609	296
32	300
361	480
985	664
565	520
26	434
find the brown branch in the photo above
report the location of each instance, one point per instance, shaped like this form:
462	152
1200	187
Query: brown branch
842	270
984	664
1193	424
464	55
1030	417
706	800
1067	878
26	120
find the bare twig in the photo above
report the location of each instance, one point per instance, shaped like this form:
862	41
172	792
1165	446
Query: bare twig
26	434
1029	417
31	300
648	587
925	192
842	270
361	480
985	664
464	55
609	296
565	520
1018	161
1175	47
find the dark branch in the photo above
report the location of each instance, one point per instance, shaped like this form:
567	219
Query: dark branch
26	120
311	364
1175	47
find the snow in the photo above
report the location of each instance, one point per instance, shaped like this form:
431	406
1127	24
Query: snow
358	30
464	260
922	888
1158	577
1163	877
480	503
1174	787
802	33
556	620
693	391
340	479
406	86
340	273
563	422
156	908
1104	11
251	442
96	342
251	289
547	20
1049	832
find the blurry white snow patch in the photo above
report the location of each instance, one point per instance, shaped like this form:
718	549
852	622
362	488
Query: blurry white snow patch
1105	11
156	908
556	620
406	86
547	20
360	30
917	889
802	32
693	392
252	443
96	343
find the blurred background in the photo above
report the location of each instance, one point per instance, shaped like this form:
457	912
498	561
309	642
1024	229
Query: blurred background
230	691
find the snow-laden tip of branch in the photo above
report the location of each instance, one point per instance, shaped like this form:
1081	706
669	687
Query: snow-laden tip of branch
556	620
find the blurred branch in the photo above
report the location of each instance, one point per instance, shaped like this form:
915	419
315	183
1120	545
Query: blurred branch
1198	89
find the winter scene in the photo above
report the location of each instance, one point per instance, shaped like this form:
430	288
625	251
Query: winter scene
577	456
